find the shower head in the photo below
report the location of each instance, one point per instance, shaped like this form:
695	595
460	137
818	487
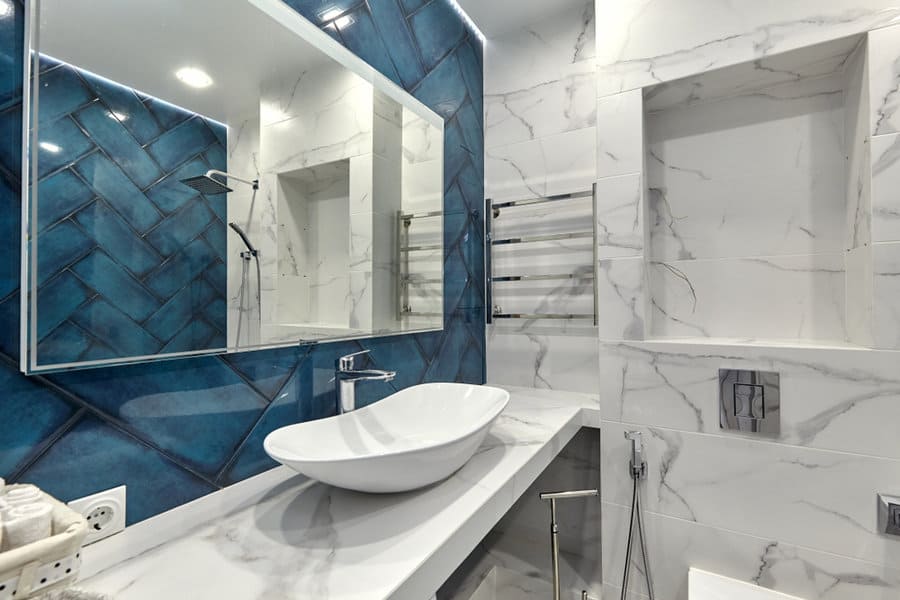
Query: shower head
237	229
206	185
209	185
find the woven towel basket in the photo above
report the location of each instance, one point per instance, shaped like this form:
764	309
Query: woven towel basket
48	564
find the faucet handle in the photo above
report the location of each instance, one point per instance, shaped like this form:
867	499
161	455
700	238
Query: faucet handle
345	363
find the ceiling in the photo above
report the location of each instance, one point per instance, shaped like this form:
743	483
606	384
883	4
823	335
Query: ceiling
495	17
142	44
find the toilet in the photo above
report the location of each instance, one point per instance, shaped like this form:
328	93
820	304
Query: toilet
703	585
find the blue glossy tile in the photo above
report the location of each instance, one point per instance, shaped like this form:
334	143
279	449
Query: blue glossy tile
31	413
391	24
116	329
216	275
216	312
61	143
455	218
182	268
447	362
115	284
181	143
267	370
467	120
186	305
199	410
129	109
9	325
10	264
471	63
455	154
400	354
197	335
438	30
216	156
412	5
471	188
57	300
294	404
360	35
456	277
169	194
167	115
11	138
216	234
60	246
94	456
61	92
70	343
180	228
443	90
117	239
118	143
108	180
11	64
60	195
471	369
429	343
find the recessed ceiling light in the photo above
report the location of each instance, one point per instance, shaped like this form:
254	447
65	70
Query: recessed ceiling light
194	77
335	14
50	147
5	8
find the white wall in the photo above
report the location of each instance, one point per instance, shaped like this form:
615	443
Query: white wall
795	513
540	116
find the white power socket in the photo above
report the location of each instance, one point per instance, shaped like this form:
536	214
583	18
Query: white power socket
105	513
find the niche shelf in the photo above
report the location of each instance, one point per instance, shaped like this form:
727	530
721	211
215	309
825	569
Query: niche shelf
756	221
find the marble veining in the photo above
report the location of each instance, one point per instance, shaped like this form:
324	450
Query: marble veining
307	540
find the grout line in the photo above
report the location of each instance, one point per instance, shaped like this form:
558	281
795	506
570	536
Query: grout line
42	448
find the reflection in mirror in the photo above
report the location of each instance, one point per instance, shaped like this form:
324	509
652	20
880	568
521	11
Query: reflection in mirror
191	194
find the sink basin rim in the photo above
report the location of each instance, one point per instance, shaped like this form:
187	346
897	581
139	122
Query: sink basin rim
478	425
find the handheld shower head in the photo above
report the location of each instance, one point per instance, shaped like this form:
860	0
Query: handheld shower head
237	229
208	185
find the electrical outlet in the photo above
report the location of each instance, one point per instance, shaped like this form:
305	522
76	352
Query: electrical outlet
105	513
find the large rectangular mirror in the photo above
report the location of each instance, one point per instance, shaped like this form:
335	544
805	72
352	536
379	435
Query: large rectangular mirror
218	175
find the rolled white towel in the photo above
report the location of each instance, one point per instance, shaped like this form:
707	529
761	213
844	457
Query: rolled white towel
27	523
23	494
2	484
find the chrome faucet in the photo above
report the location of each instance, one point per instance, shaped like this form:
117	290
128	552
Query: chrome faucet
346	377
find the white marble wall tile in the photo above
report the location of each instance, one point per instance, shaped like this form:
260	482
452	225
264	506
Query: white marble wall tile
749	77
859	295
547	360
813	498
620	134
644	43
621	299
858	149
886	188
556	164
754	175
734	298
844	400
361	182
620	216
884	80
677	545
886	295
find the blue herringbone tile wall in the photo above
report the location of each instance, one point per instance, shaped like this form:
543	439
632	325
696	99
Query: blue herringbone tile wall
114	222
173	431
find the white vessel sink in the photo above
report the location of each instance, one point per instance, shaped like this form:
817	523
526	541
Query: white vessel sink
410	439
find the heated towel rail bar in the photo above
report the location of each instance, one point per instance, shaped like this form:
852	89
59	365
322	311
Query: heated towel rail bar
492	211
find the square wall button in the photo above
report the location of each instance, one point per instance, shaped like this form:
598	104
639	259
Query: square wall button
750	401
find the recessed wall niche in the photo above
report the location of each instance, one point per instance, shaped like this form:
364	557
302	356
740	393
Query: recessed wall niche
756	182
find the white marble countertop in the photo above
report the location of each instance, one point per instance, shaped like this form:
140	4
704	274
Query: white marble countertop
301	539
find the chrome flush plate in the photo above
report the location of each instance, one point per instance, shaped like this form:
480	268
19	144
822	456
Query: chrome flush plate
750	401
888	515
